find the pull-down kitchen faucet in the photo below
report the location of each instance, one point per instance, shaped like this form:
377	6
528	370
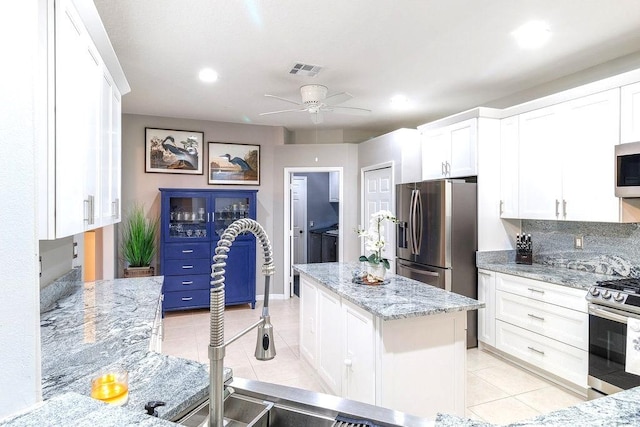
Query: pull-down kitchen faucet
265	349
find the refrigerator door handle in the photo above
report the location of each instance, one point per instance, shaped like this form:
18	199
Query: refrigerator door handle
423	272
419	217
412	225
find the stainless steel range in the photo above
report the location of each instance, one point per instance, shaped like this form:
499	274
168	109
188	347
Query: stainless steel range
611	304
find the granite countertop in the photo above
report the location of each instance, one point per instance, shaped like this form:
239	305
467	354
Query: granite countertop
620	409
557	273
400	298
104	324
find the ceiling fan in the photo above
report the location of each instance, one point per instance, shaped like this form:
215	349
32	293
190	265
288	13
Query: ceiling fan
316	102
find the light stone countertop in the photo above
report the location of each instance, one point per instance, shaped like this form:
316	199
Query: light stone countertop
103	324
620	409
400	298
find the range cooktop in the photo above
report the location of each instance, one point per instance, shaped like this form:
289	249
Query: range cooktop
620	293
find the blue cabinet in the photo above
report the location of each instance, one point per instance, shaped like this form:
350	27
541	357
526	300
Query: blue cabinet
191	224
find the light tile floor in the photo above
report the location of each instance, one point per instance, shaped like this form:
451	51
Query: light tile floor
497	391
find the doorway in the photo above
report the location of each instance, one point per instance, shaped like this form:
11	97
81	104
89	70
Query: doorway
305	224
378	193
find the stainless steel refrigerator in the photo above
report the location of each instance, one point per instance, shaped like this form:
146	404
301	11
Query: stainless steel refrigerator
437	238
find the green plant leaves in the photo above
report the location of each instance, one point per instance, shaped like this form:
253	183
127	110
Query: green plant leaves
139	238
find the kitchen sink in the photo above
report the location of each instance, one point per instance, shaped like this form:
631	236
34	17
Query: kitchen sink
260	404
238	411
242	410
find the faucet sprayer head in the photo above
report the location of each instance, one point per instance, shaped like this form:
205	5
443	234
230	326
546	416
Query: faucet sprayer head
265	348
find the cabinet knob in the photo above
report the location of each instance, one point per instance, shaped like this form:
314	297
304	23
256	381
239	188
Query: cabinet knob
348	362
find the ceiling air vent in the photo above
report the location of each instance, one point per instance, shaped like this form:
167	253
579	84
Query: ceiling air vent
301	69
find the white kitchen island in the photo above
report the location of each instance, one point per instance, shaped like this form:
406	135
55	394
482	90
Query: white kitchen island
400	345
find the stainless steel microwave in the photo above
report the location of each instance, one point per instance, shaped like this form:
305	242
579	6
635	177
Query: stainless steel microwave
628	170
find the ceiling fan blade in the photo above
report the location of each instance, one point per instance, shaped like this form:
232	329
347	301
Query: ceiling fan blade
282	111
354	111
282	99
316	117
338	98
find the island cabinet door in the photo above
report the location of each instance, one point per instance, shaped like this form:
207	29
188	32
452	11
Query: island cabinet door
308	321
359	380
329	340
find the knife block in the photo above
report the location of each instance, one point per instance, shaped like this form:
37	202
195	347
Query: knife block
524	256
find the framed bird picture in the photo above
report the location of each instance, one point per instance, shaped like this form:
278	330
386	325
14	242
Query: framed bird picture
174	151
231	163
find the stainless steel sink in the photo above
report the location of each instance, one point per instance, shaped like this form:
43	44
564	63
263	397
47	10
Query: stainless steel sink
238	411
260	404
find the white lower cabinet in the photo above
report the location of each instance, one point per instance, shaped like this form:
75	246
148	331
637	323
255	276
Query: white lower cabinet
330	351
544	325
308	321
359	354
487	315
415	365
564	361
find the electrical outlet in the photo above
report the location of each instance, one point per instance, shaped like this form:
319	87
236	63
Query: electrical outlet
578	242
310	223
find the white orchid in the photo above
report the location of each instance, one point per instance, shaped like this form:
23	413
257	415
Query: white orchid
374	237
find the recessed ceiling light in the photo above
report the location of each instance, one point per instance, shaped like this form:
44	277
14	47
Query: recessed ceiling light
208	75
532	35
400	102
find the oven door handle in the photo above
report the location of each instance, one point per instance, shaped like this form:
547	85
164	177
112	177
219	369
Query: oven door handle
612	314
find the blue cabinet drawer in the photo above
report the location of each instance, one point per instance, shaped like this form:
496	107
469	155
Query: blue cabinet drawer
181	267
187	283
186	299
186	250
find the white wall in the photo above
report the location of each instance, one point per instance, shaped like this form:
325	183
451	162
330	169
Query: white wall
20	133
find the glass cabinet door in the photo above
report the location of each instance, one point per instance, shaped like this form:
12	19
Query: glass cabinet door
188	217
228	209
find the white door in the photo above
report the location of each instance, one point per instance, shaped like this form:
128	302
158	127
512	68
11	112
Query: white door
299	206
378	195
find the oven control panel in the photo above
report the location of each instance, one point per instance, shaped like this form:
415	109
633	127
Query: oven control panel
602	295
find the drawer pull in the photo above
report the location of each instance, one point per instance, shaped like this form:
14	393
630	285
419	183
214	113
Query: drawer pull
536	290
186	267
190	298
187	251
533	316
187	282
536	350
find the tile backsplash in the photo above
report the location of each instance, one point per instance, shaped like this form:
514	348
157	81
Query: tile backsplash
607	248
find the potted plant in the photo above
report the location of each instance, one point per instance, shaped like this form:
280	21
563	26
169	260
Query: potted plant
138	242
376	264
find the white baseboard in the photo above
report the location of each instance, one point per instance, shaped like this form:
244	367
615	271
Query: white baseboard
272	297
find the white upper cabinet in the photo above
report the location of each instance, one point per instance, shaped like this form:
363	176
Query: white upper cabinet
84	87
509	143
566	160
78	83
630	113
540	175
592	131
450	151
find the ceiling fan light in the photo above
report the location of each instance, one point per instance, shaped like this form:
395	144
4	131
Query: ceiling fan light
208	75
532	35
